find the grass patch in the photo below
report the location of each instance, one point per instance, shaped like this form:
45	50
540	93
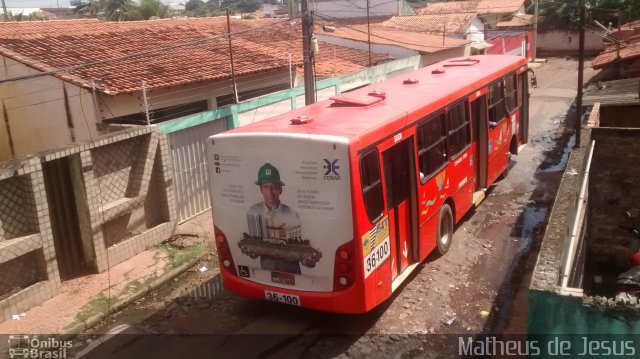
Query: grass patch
137	285
97	305
180	256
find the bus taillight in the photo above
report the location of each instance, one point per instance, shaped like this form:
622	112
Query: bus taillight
343	273
224	253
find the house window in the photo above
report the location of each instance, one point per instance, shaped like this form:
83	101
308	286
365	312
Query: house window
371	185
497	110
230	99
162	114
458	124
510	92
432	151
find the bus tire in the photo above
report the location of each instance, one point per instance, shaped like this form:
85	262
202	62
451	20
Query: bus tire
504	173
444	233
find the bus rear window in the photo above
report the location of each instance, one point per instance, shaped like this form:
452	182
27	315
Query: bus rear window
371	185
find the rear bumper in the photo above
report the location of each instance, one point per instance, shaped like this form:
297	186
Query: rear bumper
351	300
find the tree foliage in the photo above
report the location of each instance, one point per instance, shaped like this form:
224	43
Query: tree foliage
564	14
121	10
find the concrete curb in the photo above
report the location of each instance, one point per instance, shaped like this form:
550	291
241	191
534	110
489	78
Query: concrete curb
96	319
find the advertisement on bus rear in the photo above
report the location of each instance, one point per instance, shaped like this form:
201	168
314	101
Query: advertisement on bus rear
284	205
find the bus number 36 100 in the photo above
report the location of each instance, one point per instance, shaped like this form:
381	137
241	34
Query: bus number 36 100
377	256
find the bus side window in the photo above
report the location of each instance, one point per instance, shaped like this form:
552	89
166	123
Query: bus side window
510	92
497	110
432	151
458	124
371	185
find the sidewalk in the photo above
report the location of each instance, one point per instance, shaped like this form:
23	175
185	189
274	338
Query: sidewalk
86	299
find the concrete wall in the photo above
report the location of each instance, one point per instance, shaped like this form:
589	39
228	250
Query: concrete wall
564	42
475	32
41	113
123	192
429	59
27	255
355	9
613	190
397	52
44	112
620	116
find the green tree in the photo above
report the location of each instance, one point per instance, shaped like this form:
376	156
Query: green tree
192	5
106	9
563	14
147	9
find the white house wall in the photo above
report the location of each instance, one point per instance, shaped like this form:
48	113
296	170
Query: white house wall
429	59
126	104
394	51
475	32
354	9
34	116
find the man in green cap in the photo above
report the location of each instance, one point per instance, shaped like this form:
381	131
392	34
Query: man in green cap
272	220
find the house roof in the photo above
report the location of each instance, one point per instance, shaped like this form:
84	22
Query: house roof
165	52
518	20
613	93
334	60
629	48
449	7
435	23
499	6
423	43
160	52
479	6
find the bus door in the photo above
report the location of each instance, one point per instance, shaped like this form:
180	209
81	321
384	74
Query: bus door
480	138
523	101
399	170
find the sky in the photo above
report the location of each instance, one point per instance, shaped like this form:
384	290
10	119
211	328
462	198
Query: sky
37	3
43	3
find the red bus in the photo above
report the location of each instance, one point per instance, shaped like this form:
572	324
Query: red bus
332	206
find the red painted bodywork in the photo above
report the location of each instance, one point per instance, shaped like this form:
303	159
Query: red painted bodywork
380	126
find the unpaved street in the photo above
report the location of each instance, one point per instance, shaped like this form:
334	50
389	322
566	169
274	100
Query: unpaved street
470	290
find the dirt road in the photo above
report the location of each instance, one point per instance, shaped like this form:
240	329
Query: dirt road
471	290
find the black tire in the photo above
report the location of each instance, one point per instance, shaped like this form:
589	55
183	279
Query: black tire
504	173
444	234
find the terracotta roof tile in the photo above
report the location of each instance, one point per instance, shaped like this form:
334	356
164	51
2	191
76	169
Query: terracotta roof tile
334	60
629	49
423	43
449	23
518	20
480	6
160	52
449	7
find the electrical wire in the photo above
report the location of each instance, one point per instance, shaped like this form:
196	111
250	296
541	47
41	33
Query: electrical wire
140	53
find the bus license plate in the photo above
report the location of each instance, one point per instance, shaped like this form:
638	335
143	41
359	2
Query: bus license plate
282	298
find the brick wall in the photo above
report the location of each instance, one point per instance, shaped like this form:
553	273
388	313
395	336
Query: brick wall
613	189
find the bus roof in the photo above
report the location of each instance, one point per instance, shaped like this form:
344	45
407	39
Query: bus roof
432	92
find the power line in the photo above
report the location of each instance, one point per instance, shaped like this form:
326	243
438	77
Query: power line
139	53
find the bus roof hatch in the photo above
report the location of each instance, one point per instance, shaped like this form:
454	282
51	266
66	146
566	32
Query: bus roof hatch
371	98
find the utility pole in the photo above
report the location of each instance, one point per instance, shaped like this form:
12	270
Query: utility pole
369	33
4	9
534	51
578	125
618	41
233	72
307	30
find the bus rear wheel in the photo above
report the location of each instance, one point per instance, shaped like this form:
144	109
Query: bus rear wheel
445	229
